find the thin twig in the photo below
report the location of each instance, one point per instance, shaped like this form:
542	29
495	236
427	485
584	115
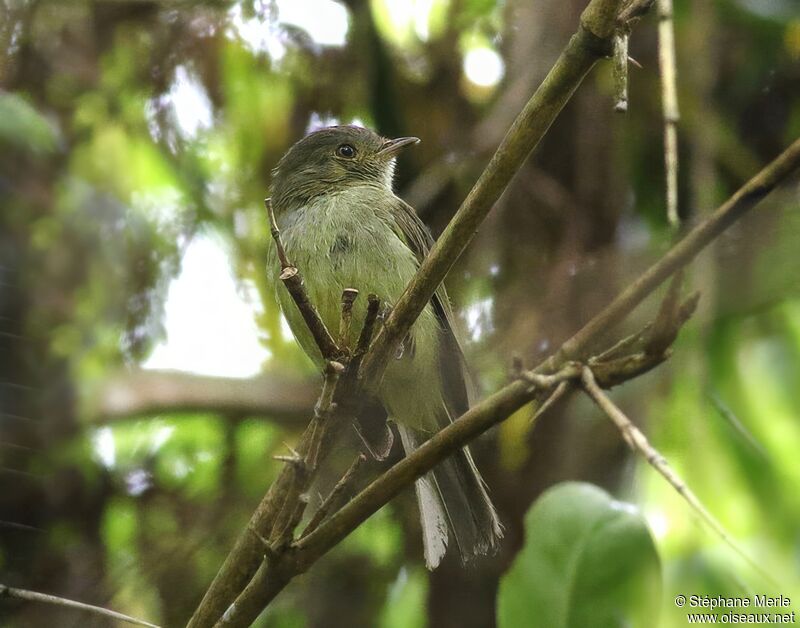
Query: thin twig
293	281
655	336
663	331
349	295
639	444
331	502
542	381
669	104
621	70
322	410
550	401
365	337
622	347
33	596
304	467
276	235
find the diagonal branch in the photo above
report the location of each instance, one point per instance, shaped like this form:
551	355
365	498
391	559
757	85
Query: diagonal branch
332	500
745	198
304	467
592	41
293	280
638	442
33	596
272	576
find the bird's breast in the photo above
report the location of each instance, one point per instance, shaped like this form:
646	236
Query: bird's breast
349	240
346	239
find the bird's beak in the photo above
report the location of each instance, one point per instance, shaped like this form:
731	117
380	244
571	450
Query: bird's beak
391	147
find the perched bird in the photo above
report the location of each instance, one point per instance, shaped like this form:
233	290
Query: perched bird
343	227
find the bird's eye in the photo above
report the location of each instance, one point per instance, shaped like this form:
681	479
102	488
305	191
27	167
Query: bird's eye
346	151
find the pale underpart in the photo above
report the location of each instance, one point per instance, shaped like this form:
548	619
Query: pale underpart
347	239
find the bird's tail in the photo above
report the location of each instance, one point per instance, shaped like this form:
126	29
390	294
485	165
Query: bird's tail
453	504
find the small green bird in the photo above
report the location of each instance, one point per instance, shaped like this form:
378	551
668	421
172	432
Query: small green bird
343	227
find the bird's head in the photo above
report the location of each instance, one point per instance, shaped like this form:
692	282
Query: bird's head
332	159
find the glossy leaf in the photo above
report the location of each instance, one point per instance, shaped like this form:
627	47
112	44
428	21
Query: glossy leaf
588	560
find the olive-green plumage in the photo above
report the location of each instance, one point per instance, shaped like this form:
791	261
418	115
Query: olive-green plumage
344	227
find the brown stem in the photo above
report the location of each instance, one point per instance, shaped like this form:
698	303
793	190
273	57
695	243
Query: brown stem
349	296
639	444
293	280
332	500
33	596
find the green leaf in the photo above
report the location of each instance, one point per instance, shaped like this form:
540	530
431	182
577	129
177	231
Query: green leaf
588	560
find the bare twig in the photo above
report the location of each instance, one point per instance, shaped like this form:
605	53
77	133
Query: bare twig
276	235
33	596
365	337
293	281
294	502
622	347
621	70
646	337
550	401
322	410
623	362
543	381
349	295
331	502
639	444
324	404
664	329
669	104
634	10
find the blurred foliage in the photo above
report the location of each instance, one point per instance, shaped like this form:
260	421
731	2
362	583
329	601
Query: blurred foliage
588	560
130	130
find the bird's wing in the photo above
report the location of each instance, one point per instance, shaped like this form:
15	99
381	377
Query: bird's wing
456	380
